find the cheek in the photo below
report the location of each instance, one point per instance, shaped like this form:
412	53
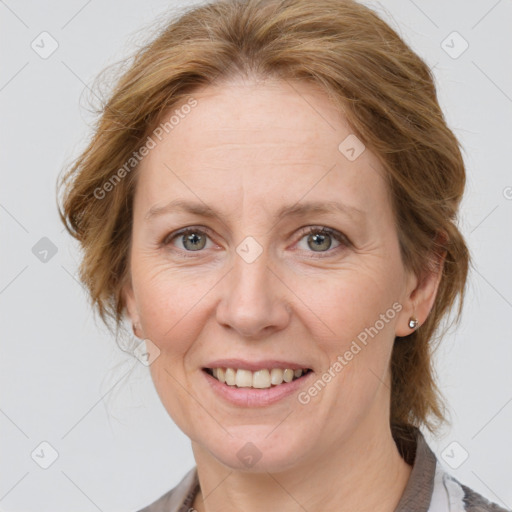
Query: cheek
169	300
170	303
360	311
350	301
359	307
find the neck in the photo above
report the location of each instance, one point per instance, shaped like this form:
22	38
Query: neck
364	473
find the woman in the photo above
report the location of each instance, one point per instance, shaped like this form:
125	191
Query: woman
270	198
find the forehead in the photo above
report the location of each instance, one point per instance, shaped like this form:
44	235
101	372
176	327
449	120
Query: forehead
275	142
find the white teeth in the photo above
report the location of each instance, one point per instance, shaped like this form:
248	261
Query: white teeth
276	376
230	376
288	375
260	379
243	378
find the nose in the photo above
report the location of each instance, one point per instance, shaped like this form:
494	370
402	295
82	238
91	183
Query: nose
254	300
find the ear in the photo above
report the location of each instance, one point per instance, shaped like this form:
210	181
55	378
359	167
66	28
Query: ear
421	292
131	308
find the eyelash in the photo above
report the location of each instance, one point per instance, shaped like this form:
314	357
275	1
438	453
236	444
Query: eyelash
308	230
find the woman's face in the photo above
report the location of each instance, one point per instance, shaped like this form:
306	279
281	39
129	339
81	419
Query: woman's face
248	170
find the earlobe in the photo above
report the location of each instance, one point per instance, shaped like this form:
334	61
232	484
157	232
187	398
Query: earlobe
421	299
131	308
136	329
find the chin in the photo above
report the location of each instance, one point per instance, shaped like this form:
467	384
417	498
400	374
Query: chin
254	451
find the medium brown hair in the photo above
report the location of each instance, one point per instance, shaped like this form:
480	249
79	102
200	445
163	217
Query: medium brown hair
383	88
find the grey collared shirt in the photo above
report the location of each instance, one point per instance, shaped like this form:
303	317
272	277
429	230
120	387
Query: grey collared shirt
429	488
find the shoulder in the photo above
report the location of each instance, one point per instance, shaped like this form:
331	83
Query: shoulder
179	498
451	495
431	488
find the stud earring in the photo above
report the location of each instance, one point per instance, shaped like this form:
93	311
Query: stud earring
413	323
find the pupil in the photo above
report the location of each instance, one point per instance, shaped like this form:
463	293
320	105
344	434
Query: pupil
194	239
320	239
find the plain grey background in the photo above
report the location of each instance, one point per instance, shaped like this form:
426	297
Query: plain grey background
65	381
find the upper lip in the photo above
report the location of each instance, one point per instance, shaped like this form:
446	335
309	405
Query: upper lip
253	366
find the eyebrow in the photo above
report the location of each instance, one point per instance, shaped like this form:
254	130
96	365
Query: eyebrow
294	210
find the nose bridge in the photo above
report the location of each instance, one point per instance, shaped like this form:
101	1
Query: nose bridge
250	273
253	300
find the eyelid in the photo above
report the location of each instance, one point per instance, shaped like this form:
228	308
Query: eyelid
183	231
324	229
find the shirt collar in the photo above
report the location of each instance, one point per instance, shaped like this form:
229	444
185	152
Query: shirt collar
415	451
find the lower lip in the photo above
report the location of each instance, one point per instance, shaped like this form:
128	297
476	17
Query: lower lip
251	397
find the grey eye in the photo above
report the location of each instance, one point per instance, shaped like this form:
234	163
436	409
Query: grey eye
319	241
193	241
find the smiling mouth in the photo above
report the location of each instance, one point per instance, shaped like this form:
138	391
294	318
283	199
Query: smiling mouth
260	379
